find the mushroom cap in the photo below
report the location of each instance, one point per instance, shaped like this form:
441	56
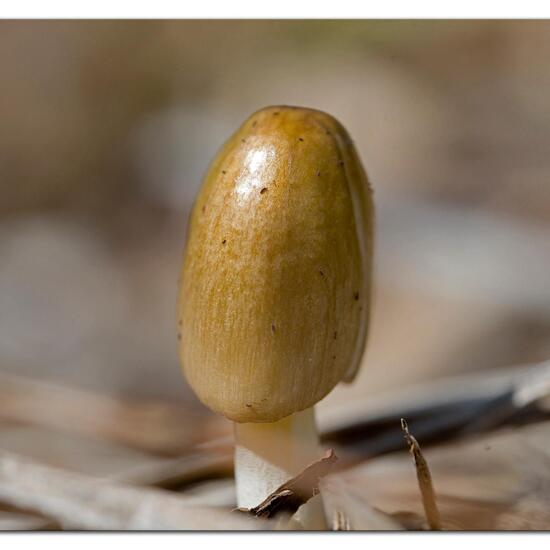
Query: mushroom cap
274	292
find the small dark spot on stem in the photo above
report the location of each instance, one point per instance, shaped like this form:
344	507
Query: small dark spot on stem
356	296
248	404
224	241
335	334
254	123
327	132
318	173
333	357
224	172
179	335
300	139
203	208
263	190
273	328
243	140
275	113
341	163
322	273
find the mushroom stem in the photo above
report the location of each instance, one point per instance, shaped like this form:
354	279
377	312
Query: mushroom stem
268	455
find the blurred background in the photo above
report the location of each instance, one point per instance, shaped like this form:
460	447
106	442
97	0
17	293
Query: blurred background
108	127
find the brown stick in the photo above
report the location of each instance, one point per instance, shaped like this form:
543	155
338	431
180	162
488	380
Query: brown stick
424	480
296	491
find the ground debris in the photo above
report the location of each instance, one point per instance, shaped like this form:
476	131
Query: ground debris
350	510
296	491
82	502
341	521
424	479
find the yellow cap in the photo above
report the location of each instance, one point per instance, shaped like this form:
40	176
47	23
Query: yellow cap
274	292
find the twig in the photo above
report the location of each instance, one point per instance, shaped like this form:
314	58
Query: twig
296	491
424	480
77	501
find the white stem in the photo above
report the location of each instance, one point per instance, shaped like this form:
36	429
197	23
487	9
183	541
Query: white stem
268	455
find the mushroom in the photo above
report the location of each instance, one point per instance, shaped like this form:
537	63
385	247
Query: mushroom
274	293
